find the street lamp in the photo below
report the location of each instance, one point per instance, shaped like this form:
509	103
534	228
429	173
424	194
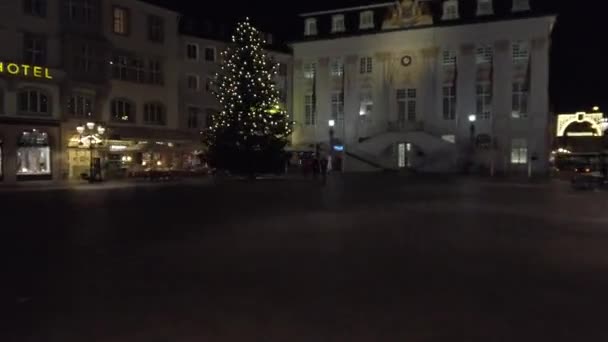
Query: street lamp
93	137
596	108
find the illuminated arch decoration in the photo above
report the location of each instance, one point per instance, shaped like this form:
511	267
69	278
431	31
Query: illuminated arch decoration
594	119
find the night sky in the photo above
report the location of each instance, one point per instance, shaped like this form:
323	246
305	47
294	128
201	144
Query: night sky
577	72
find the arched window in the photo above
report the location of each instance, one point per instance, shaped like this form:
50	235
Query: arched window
34	102
155	114
122	110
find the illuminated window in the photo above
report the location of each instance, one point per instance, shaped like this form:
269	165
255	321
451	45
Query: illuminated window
310	70
337	105
210	55
449	58
192	51
120	20
123	110
33	154
521	50
80	106
449	102
484	54
193	82
35	7
156	29
81	11
34	49
485	7
483	97
154	114
310	115
406	105
337	23
310	28
450	10
33	102
519	151
366	107
520	100
366	20
366	65
337	67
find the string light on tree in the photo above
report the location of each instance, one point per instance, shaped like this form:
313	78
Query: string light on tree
250	132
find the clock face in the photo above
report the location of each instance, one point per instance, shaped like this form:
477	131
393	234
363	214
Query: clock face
406	61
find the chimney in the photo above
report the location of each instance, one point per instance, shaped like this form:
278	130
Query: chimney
485	7
520	6
450	10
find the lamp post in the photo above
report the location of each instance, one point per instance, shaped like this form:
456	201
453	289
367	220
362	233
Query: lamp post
91	134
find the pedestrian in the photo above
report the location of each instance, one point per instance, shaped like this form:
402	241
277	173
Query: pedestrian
315	167
324	165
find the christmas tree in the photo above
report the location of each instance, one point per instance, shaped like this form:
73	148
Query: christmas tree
250	132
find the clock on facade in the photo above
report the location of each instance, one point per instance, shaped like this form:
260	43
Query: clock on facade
406	61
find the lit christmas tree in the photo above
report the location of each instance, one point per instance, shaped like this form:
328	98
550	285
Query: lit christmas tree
250	132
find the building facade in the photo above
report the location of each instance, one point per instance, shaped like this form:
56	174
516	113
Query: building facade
426	86
124	66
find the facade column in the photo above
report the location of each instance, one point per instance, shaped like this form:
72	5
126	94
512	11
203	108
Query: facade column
429	97
539	138
501	105
351	99
323	105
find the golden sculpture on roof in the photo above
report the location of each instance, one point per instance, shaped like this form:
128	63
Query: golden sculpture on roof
408	13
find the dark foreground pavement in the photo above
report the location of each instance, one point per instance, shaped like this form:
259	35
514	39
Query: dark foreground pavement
366	258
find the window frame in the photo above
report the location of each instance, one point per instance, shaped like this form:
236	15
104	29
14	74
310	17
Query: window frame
449	102
196	49
407	106
156	28
38	104
484	54
191	76
37	53
192	119
311	27
366	20
214	50
29	8
366	103
125	20
155	114
309	70
124	101
310	115
519	151
338	19
483	100
520	100
520	50
337	67
337	105
366	65
74	103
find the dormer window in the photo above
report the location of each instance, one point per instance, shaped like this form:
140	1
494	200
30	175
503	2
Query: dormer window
366	20
337	23
450	10
520	6
310	27
485	7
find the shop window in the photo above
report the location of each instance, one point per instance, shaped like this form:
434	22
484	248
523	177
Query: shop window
33	102
33	154
123	110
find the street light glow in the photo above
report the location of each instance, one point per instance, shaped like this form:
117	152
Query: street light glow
332	123
472	118
596	108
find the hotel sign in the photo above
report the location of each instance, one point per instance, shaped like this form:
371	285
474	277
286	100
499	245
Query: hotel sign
25	70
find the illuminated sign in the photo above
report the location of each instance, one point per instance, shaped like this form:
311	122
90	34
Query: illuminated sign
595	120
25	70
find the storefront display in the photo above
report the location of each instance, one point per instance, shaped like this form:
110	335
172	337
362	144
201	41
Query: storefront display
33	154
